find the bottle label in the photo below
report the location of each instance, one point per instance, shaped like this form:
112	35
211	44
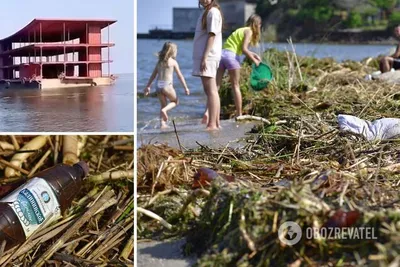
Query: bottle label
34	203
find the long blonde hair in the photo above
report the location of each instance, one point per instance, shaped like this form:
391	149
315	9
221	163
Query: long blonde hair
253	21
207	9
169	50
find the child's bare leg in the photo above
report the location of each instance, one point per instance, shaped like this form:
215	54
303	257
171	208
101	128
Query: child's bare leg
170	94
205	117
163	115
213	103
237	95
219	77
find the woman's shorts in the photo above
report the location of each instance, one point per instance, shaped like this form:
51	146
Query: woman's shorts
210	71
396	63
229	60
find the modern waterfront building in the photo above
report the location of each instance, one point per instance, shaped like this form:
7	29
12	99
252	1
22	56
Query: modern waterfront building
54	53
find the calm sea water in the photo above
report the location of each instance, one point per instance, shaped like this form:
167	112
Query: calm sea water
187	115
91	109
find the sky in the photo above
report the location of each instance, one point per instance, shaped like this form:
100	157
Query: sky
17	14
149	17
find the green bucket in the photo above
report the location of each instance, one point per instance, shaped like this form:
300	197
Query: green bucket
260	76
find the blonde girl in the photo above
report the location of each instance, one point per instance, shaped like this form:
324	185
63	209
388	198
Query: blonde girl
207	48
236	45
164	71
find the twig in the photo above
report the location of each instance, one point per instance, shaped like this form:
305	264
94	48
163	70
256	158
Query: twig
15	142
7	153
105	140
341	199
74	259
8	164
75	227
295	57
299	142
70	149
392	168
2	247
40	163
223	151
56	148
242	227
127	250
159	194
123	148
251	117
370	100
191	198
17	160
102	237
109	176
104	246
116	143
376	175
155	217
177	137
6	146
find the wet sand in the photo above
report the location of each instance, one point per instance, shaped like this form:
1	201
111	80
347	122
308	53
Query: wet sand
192	134
163	254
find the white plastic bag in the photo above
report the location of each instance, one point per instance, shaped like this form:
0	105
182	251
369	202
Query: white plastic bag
387	128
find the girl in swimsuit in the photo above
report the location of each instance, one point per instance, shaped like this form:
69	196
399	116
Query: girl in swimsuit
164	71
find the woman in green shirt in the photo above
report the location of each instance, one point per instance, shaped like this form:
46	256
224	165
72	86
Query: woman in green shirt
236	45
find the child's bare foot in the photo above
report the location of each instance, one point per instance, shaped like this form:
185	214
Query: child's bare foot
205	119
164	115
164	125
212	128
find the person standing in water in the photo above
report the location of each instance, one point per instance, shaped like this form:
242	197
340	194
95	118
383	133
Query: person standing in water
164	71
236	45
207	49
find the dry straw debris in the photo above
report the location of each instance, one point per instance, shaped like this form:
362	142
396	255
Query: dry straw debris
97	230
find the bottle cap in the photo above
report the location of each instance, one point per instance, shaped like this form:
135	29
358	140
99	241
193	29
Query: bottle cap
84	167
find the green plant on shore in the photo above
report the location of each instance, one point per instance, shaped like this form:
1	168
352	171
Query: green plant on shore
305	85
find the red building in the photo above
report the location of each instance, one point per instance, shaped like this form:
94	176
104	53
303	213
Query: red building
49	53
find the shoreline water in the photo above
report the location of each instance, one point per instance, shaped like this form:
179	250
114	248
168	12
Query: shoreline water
339	38
194	134
93	109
